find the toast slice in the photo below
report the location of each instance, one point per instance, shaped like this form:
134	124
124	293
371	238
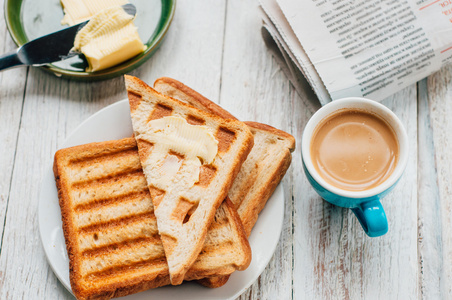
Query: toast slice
190	159
110	228
263	169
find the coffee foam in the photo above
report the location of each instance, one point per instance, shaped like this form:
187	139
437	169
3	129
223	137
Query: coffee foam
354	150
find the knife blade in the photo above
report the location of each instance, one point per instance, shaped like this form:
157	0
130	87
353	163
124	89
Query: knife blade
49	48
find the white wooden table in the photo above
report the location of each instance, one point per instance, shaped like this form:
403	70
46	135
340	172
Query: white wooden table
216	48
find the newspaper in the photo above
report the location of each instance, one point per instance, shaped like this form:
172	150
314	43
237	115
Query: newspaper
361	48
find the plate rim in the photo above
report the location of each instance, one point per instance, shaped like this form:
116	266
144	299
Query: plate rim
112	72
48	175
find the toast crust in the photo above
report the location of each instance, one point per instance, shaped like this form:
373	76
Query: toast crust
275	131
259	190
183	243
179	90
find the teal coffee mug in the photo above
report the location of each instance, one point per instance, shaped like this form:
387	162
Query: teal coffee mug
354	151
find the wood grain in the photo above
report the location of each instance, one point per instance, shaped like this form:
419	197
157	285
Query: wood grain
22	258
437	245
429	215
253	87
216	48
12	89
192	49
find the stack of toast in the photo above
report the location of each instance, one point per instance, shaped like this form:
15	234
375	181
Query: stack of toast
175	202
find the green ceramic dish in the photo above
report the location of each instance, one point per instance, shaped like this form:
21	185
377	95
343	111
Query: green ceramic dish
30	19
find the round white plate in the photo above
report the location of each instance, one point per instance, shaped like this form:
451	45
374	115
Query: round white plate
113	122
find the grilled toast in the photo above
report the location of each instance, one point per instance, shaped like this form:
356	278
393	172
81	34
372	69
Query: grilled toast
187	179
263	169
110	228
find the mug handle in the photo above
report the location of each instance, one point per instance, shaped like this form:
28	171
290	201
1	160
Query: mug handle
372	217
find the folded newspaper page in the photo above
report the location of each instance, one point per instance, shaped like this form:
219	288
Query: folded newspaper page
361	48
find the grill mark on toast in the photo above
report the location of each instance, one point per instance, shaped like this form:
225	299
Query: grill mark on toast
225	138
169	243
218	224
183	208
100	158
114	188
156	195
206	175
108	167
109	236
191	211
239	192
110	178
113	200
195	120
160	111
153	263
178	155
217	248
134	100
122	246
145	149
101	226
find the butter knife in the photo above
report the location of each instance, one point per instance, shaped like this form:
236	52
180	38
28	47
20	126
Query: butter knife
49	48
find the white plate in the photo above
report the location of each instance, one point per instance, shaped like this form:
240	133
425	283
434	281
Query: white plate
113	122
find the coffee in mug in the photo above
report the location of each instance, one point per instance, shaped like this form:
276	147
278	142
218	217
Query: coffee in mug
354	150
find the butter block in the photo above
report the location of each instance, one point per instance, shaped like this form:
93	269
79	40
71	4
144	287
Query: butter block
109	38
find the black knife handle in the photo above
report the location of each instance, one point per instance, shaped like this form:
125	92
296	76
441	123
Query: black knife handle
9	60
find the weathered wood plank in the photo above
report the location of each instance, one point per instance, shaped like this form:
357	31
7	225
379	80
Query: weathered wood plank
253	87
429	212
438	252
12	90
334	259
192	49
22	258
